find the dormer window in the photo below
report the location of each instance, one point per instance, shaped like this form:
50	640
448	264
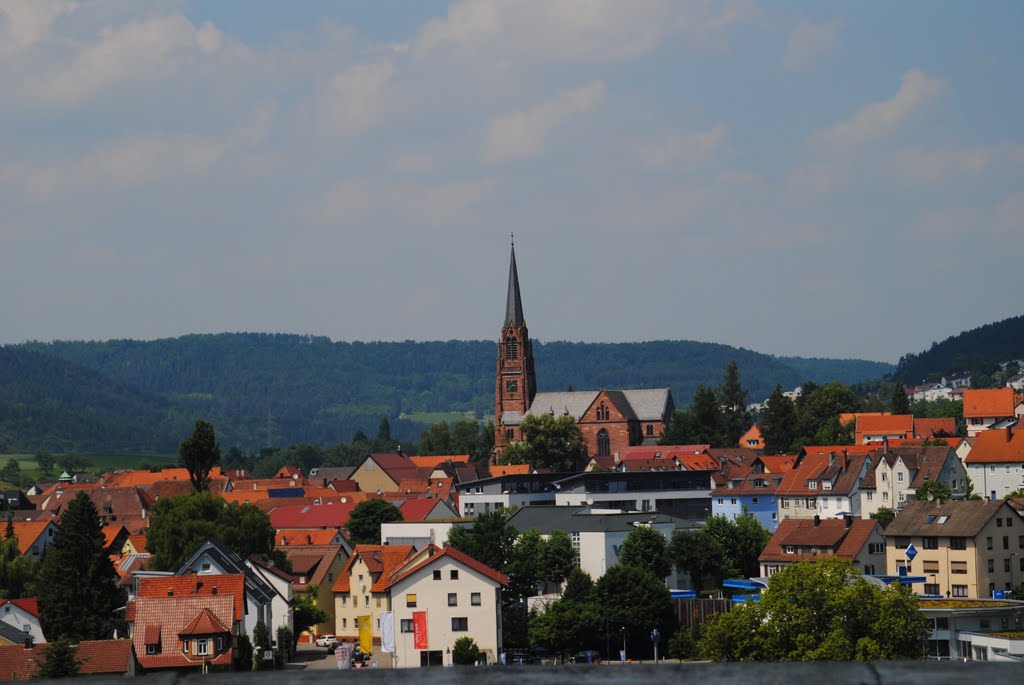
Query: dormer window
812	485
826	485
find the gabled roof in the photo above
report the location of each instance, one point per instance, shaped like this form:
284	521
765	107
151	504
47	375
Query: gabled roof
436	554
959	518
927	428
312	561
207	585
96	657
28	532
173	615
845	538
777	464
891	424
148	478
573	403
997	447
28	604
111	533
255	586
312	515
989	402
308	536
205	623
419	509
380	560
433	461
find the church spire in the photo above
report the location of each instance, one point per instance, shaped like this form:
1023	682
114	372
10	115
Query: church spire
513	303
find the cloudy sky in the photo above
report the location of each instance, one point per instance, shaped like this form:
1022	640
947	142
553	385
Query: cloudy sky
821	179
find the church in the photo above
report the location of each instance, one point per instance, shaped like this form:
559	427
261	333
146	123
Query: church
610	420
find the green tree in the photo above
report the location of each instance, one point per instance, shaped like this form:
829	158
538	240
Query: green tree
11	471
707	417
778	423
646	548
17	571
548	441
558	559
436	440
683	644
900	403
696	556
937	489
751	539
384	429
681	429
199	453
819	611
819	408
260	643
178	525
733	398
465	652
45	461
365	520
58	660
77	585
633	599
490	540
884	516
74	463
307	613
464	437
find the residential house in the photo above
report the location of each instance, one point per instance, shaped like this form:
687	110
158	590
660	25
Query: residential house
857	540
427	509
317	566
974	629
989	408
596	534
825	481
752	439
190	632
996	463
927	429
899	471
34	536
443	596
878	428
360	589
13	499
507	491
22	615
383	472
330	515
102	658
750	493
419	534
965	548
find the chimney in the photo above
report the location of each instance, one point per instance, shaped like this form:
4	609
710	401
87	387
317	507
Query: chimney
199	586
846	460
849	520
817	520
885	444
831	458
28	641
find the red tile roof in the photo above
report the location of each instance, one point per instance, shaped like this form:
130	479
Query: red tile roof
17	663
927	428
28	533
205	585
661	451
28	604
381	560
309	536
990	402
417	509
432	461
843	541
997	446
778	464
205	623
510	469
105	656
312	515
173	615
891	424
435	554
148	478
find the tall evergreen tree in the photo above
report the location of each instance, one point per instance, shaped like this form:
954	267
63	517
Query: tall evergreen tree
384	429
900	403
733	398
77	585
199	454
707	417
58	660
778	423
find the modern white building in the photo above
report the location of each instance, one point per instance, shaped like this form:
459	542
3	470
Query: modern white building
996	463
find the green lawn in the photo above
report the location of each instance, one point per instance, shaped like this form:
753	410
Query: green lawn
432	417
98	463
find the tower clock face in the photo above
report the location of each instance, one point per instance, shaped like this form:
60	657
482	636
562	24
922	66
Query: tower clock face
512	386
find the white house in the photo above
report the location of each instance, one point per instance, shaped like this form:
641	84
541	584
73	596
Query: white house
444	597
996	463
23	615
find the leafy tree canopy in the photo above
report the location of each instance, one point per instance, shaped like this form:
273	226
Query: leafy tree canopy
819	611
199	453
937	489
646	548
366	517
465	652
884	516
548	441
58	660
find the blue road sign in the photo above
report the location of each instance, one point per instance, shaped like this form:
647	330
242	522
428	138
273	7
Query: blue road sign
911	551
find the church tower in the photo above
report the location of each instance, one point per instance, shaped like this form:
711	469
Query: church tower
515	383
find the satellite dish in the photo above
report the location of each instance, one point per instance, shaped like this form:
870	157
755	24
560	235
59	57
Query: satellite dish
931	496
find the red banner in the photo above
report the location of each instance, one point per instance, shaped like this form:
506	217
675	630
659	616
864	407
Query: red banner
419	630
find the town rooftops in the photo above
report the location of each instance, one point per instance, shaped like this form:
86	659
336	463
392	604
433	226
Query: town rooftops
380	560
997	446
950	518
990	402
435	554
845	537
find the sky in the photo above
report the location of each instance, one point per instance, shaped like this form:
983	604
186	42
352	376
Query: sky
840	179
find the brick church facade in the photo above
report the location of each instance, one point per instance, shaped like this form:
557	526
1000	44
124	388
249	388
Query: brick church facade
610	420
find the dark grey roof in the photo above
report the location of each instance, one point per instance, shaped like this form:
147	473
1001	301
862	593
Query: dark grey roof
231	562
966	518
12	634
513	302
329	473
648	405
546	519
573	403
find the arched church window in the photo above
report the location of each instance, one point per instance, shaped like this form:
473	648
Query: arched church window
604	445
511	349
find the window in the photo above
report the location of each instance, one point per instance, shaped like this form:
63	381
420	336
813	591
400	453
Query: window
437	574
959	590
812	485
510	434
1006	565
406	626
604	445
931	566
988	542
366	601
202	647
512	386
790	549
344	623
151	649
220	644
344	600
958	567
753	500
410	601
958	543
511	349
827	485
902	542
454	575
931	588
885	477
460	624
930	542
602	412
871	496
902	496
721	500
378	602
899	477
650	430
869	569
474	598
991	565
775	517
1006	542
453	599
184	646
999	522
206	567
1020	542
785	503
732	501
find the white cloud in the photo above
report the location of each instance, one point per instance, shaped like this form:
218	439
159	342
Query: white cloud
686	147
1008	219
522	134
880	119
920	164
23	23
134	51
358	98
809	42
576	30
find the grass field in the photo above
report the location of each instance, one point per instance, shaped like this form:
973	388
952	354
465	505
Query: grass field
98	463
432	417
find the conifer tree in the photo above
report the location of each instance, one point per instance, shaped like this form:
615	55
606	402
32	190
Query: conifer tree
77	585
733	398
58	660
778	424
199	454
900	403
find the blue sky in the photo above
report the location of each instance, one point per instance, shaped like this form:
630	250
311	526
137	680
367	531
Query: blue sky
817	179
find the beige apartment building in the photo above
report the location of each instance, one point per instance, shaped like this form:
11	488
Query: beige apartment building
361	589
964	548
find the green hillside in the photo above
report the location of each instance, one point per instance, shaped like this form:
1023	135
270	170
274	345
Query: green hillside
273	389
978	351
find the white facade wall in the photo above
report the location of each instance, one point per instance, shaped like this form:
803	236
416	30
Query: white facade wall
996	481
14	615
599	550
419	533
432	596
474	504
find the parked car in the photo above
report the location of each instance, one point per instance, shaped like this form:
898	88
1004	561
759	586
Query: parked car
325	640
519	658
587	656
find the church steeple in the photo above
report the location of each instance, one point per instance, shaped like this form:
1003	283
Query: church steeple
513	302
515	383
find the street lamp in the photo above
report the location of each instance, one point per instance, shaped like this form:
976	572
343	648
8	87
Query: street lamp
623	644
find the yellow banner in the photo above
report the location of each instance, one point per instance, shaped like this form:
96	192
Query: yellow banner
365	634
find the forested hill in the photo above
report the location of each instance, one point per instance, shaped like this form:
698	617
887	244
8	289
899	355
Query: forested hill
979	351
309	389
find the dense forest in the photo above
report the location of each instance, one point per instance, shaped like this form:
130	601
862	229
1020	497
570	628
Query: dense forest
275	389
979	352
